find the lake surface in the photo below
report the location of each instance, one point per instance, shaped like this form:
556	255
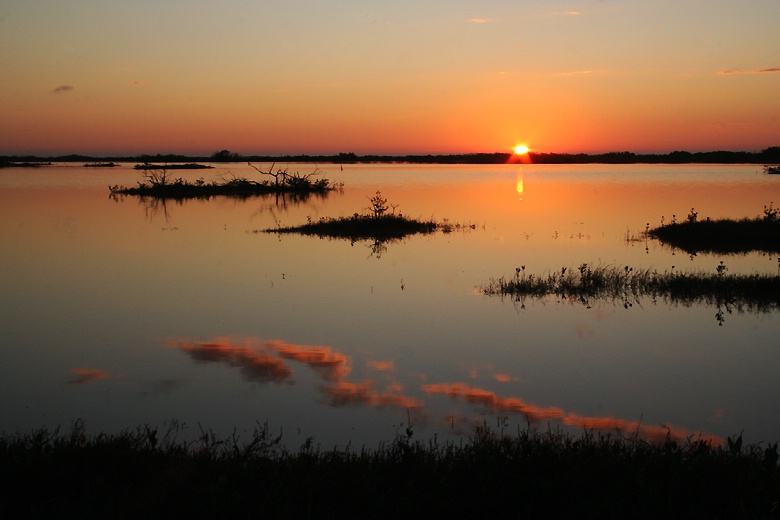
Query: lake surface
127	312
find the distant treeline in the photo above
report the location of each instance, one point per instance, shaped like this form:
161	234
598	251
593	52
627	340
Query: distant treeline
769	155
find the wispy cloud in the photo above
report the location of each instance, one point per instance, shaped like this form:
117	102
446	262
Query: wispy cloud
576	73
381	366
478	20
264	361
139	83
87	375
514	405
61	89
758	71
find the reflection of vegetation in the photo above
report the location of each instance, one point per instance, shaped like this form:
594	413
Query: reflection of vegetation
491	475
8	164
181	166
375	224
723	236
160	184
754	293
101	165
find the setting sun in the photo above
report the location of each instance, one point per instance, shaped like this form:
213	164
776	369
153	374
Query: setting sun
521	149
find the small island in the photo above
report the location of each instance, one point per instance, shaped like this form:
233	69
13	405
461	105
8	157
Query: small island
724	236
101	165
175	166
377	224
158	183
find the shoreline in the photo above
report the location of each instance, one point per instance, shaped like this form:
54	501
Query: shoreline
767	156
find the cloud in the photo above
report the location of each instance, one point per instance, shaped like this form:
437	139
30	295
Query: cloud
478	20
345	393
575	73
61	89
759	71
87	375
264	361
139	83
381	366
255	364
332	365
496	404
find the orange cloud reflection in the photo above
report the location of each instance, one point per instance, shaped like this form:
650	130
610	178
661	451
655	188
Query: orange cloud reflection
494	403
264	361
345	393
497	404
255	364
334	366
87	375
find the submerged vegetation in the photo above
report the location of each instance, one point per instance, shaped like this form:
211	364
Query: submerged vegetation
158	182
725	236
375	223
145	473
729	292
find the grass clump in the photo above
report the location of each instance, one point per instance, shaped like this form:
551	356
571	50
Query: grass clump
158	183
754	292
140	473
375	223
724	236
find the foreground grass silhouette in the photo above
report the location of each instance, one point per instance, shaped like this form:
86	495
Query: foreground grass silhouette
148	474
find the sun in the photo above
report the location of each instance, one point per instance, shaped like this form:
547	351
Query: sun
521	149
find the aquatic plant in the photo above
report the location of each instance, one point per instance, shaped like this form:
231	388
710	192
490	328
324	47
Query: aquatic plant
374	224
586	283
724	236
157	182
531	474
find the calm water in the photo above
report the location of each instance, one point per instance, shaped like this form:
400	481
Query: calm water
123	312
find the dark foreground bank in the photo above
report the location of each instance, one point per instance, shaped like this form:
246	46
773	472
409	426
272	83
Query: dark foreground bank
150	474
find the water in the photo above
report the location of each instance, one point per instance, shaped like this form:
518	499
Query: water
124	313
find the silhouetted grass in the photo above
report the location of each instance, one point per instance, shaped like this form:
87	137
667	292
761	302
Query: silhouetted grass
101	165
754	292
376	224
158	183
146	474
361	227
174	166
724	236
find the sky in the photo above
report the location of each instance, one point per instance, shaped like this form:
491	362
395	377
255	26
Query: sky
388	77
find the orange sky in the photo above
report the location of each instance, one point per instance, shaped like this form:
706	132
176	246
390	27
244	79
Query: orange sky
131	77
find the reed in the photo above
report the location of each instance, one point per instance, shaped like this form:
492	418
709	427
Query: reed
753	292
145	473
158	183
723	236
375	223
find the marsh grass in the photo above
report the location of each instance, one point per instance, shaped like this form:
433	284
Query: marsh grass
159	183
626	285
174	166
144	473
375	223
724	236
